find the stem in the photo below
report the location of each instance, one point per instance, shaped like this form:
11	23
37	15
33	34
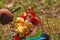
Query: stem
16	9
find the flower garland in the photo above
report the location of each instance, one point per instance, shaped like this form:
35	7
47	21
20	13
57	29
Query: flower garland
26	23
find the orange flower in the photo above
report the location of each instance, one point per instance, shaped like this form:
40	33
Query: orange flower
20	20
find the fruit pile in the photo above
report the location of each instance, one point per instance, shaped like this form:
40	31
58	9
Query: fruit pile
27	23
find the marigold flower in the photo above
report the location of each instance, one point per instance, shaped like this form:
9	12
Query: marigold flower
19	20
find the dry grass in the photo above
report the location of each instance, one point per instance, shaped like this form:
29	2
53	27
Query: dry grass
48	11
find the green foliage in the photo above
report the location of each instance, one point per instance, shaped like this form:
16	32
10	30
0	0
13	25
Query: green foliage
1	4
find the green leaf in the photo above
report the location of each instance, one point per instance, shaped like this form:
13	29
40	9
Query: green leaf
0	4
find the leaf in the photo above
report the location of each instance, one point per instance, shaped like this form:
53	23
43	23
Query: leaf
0	4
